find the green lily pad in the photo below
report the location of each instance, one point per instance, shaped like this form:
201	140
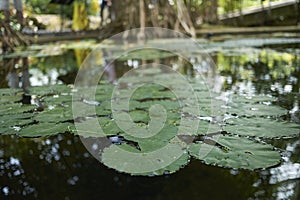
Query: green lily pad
255	110
10	91
261	127
16	108
90	128
152	129
49	90
252	99
146	54
58	114
10	98
168	159
10	124
235	152
148	144
65	99
45	129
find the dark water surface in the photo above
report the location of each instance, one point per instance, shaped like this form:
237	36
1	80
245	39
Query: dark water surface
59	167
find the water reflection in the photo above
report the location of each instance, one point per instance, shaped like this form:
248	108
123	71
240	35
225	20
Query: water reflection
60	167
275	73
15	73
61	164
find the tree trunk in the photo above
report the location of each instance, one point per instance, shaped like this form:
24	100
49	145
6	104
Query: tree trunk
11	38
141	34
19	8
4	8
154	15
210	11
184	18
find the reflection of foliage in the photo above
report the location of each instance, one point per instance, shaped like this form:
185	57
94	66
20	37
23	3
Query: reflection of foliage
259	67
11	37
235	5
38	6
67	62
65	156
44	7
80	55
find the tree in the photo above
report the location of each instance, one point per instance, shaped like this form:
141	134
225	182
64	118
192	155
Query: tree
209	9
11	37
184	18
156	13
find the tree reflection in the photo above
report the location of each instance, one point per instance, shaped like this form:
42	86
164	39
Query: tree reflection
60	167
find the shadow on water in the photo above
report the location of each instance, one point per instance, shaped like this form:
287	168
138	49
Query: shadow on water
59	167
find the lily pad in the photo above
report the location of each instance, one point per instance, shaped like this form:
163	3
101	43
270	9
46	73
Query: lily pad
10	124
16	108
58	114
10	91
261	127
255	110
4	99
148	144
44	129
90	128
49	90
152	129
168	159
146	54
235	152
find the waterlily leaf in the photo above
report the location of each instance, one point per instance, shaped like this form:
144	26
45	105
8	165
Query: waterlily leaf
10	91
204	127
9	120
103	112
149	127
99	97
148	71
9	124
111	128
10	98
261	127
90	128
96	127
235	152
16	108
168	159
129	82
166	104
152	95
58	99
204	96
252	99
59	114
82	109
146	54
148	144
139	116
45	129
255	110
49	90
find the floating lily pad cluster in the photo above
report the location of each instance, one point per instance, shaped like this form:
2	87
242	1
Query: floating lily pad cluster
226	136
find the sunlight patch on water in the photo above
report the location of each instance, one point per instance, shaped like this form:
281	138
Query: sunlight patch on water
38	78
285	172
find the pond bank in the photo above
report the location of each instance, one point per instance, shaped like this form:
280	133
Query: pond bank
42	37
217	31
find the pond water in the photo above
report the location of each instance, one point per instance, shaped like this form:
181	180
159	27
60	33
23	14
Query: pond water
60	167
